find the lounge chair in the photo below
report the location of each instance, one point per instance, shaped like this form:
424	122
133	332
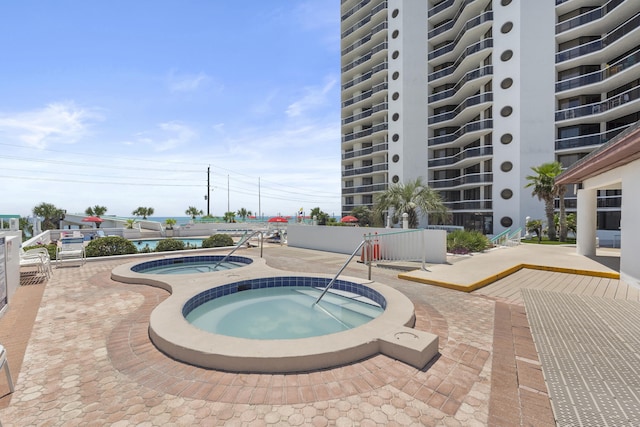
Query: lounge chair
38	257
71	248
100	233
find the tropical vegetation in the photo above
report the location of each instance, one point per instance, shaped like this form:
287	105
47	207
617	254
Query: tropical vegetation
243	213
544	187
320	216
166	245
364	215
170	223
51	215
217	241
96	210
466	241
108	246
193	212
229	217
414	198
143	212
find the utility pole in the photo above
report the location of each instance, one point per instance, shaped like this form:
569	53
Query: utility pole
228	198
259	216
208	195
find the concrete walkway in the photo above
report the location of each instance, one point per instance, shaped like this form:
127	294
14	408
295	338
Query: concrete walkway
482	269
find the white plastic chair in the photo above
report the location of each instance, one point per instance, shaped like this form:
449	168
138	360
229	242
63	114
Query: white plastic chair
38	257
71	247
3	362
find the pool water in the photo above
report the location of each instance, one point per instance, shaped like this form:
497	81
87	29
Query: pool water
140	244
282	313
191	264
193	267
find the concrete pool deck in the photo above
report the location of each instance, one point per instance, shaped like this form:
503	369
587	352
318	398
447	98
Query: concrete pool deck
88	359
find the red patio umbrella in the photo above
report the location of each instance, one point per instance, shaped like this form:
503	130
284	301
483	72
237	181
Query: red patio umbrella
278	219
349	218
96	219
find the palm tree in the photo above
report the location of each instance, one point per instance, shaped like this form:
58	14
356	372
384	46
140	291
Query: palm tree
545	188
143	212
193	212
50	214
415	199
97	210
243	213
230	217
321	217
363	214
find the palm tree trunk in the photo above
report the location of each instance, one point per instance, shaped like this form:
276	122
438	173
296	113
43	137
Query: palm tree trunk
563	219
551	226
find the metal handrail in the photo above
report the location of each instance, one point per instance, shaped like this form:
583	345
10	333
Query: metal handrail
340	271
242	242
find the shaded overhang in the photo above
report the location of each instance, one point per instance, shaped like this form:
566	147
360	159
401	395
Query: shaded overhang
621	150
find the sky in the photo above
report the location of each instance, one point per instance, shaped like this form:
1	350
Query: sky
125	104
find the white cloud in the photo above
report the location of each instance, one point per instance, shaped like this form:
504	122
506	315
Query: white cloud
186	82
314	97
57	123
167	136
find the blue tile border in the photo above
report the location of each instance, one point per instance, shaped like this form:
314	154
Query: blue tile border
140	268
283	281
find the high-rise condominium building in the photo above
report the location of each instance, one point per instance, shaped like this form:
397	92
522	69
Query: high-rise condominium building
470	94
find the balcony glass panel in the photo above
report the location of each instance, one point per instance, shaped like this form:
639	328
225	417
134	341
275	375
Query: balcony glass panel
485	17
587	17
474	48
469	102
597	45
468	153
588	140
475	178
599	107
601	75
469	127
487	70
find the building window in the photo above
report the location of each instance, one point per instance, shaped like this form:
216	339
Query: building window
508	26
506	194
395	75
396	158
506	55
506	111
395	34
506	138
506	166
395	96
395	137
506	221
395	117
505	2
395	13
395	54
395	179
506	83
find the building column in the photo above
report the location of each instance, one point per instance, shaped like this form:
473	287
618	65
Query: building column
587	222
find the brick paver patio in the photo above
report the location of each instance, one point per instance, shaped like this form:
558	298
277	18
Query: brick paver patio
89	361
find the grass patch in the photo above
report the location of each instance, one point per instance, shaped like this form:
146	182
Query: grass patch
546	241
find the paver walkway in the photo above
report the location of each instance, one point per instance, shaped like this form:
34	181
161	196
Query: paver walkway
89	362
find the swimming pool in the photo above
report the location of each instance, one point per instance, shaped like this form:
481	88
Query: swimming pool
191	264
151	244
283	308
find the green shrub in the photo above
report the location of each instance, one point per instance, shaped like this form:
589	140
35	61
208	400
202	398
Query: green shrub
463	242
217	241
165	245
110	245
51	248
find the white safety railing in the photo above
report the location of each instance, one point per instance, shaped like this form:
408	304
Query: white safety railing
405	245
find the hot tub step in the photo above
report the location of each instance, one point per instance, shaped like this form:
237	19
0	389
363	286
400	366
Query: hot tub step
410	346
